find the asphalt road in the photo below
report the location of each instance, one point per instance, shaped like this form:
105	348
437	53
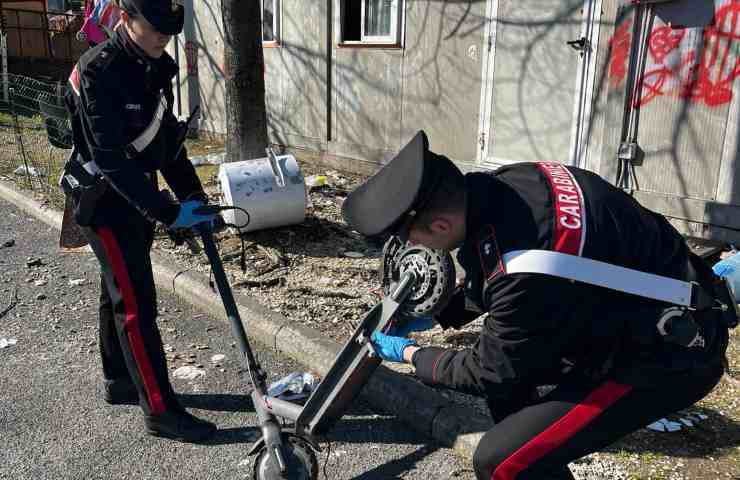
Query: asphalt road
54	423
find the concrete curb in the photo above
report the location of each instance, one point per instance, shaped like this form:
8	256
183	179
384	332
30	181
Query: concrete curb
421	407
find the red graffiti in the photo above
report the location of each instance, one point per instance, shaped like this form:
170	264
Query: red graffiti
703	75
620	45
663	40
720	64
191	58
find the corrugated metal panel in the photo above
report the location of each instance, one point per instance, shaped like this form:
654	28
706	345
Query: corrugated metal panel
682	99
688	108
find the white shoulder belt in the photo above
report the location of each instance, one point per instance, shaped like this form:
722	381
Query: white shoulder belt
601	274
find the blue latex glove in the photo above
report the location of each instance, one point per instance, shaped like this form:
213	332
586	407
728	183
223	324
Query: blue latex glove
187	219
390	348
413	324
730	269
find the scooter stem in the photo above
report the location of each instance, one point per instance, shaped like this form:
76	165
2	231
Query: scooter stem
256	374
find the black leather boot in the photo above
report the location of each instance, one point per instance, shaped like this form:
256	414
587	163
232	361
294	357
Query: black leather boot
179	425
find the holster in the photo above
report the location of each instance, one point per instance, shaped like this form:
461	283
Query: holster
83	187
678	325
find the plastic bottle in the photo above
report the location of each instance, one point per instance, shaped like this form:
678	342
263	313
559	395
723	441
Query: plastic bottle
730	269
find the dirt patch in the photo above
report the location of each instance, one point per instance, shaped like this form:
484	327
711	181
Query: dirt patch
319	273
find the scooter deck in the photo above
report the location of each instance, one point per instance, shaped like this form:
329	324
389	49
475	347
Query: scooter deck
343	382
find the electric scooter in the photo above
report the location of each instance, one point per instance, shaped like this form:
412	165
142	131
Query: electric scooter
415	281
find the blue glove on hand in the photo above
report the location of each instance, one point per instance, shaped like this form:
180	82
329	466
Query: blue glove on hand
413	324
730	268
187	219
390	348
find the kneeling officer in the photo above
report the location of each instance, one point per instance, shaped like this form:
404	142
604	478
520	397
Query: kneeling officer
120	100
616	365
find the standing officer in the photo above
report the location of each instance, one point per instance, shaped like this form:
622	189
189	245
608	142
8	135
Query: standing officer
120	100
615	371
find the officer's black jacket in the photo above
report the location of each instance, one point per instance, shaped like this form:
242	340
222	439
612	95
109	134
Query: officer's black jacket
113	95
536	321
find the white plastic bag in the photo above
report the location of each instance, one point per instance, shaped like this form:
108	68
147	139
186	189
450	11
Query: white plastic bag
295	386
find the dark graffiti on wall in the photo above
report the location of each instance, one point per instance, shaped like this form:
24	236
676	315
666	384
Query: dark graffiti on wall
698	65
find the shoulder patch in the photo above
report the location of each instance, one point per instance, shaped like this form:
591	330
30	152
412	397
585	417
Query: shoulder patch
491	261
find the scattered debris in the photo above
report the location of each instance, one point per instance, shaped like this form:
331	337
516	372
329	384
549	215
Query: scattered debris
315	181
24	170
209	159
33	262
270	282
7	342
189	373
12	304
664	425
677	422
276	258
295	386
321	292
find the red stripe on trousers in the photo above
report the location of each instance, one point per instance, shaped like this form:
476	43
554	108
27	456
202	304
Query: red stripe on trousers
559	432
131	324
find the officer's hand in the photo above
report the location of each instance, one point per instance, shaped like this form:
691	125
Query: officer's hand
390	348
413	324
187	219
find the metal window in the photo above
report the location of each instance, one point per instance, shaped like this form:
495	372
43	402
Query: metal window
271	21
371	21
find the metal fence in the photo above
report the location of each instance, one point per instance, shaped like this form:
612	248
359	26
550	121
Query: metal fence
35	136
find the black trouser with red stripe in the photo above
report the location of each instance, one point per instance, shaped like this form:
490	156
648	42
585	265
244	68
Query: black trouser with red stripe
130	343
582	416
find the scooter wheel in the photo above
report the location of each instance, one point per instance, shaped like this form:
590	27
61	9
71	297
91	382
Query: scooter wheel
299	458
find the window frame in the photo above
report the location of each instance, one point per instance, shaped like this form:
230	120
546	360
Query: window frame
276	23
393	40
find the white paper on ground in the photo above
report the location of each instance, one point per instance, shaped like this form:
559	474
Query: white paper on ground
188	373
